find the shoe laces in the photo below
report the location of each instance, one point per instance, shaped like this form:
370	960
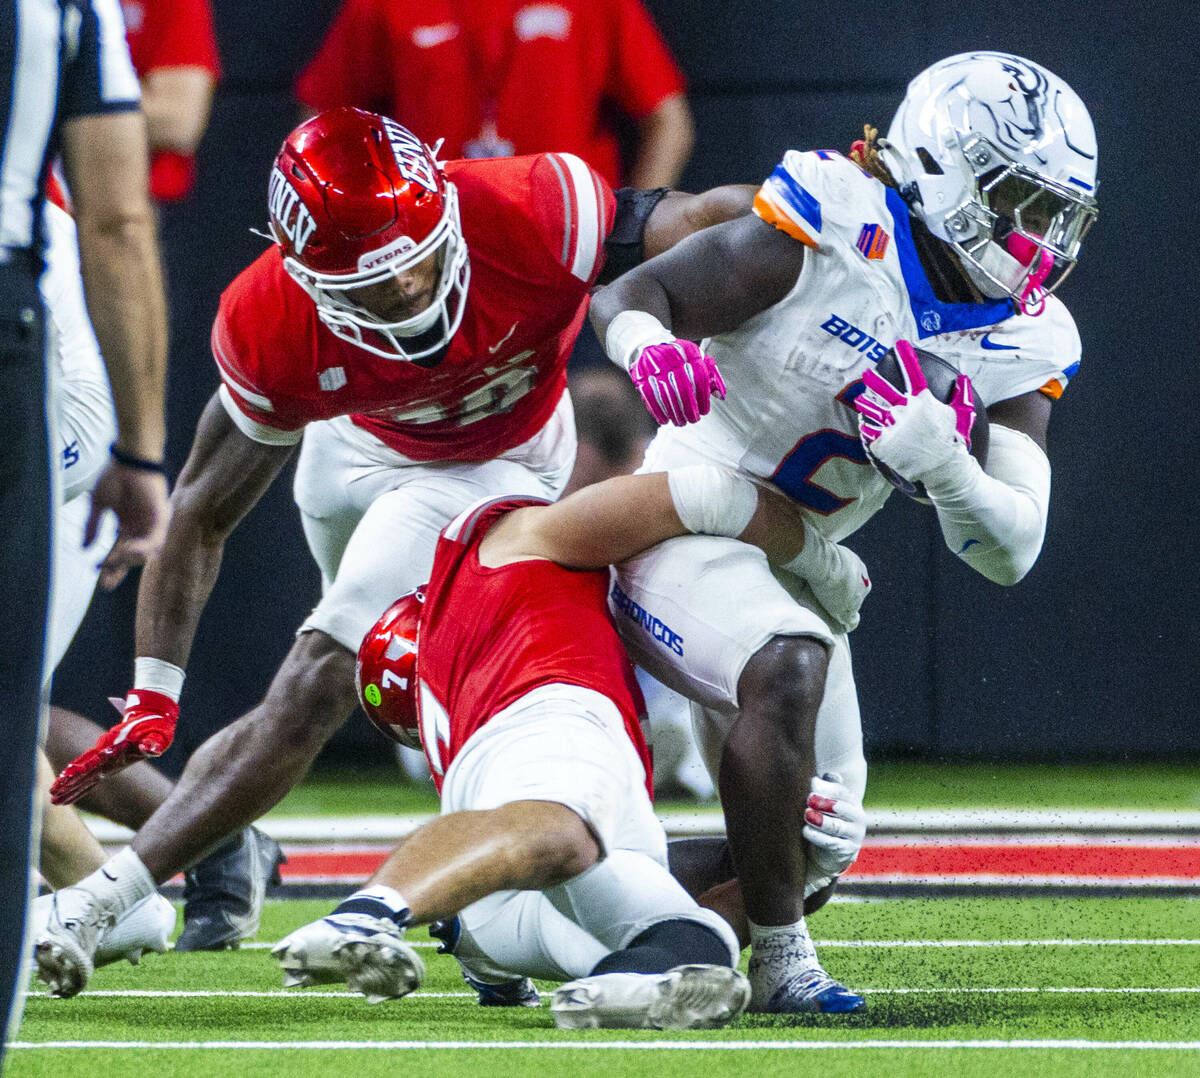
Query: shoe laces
96	917
807	985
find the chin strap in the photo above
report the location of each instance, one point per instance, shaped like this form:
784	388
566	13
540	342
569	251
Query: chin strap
1033	295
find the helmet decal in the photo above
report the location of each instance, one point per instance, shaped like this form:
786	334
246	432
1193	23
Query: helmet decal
398	248
411	157
385	672
282	200
1017	132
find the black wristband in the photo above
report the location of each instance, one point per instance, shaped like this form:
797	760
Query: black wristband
128	460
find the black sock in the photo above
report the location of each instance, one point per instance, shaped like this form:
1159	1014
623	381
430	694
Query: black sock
700	863
664	946
373	907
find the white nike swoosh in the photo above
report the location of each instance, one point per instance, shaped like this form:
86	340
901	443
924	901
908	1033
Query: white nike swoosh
493	349
427	37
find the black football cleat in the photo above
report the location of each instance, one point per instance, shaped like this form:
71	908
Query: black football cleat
519	992
223	895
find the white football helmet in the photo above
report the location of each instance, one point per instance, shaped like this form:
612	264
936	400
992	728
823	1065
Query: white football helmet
997	156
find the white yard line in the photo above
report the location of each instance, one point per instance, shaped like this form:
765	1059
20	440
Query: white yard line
148	993
639	1045
928	943
302	994
1013	943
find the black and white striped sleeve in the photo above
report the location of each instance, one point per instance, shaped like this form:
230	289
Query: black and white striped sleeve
98	74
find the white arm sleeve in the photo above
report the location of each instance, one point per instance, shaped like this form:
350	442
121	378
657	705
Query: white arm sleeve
995	519
712	500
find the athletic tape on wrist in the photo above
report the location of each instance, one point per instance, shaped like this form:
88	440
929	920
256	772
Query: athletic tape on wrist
157	675
815	559
630	332
712	500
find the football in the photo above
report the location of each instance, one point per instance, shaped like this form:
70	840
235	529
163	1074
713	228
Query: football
941	377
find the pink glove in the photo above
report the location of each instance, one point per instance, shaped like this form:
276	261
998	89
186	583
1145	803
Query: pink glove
147	728
878	411
676	380
913	432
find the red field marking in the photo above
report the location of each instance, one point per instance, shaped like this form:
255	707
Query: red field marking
1086	860
1098	861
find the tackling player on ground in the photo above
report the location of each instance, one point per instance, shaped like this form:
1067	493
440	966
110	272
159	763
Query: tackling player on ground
547	849
411	323
952	232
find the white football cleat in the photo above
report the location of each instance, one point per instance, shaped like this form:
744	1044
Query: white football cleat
144	927
686	997
65	949
367	954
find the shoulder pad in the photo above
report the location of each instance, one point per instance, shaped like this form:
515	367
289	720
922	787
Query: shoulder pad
810	194
1022	354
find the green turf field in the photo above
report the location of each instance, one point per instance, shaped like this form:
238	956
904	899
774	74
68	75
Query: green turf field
935	972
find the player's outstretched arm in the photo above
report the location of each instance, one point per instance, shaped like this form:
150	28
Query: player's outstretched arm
225	475
608	522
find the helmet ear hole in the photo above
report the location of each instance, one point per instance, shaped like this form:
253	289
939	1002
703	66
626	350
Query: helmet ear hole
385	674
931	167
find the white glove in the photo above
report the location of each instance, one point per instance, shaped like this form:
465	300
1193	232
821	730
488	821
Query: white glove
835	575
911	431
834	826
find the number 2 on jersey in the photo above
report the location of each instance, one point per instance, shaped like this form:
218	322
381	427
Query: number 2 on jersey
807	456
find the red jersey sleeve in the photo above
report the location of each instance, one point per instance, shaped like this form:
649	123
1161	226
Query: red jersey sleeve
351	66
574	207
245	378
642	71
178	33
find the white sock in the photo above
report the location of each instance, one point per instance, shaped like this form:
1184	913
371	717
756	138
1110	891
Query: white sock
121	882
778	953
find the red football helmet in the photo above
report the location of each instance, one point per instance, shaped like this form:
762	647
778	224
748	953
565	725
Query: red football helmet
386	674
356	199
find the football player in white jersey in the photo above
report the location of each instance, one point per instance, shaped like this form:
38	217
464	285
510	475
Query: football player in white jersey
951	232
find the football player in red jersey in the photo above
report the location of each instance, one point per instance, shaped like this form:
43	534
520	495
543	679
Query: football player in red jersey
412	322
548	853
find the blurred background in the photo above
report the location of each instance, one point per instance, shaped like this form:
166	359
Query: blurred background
1091	657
